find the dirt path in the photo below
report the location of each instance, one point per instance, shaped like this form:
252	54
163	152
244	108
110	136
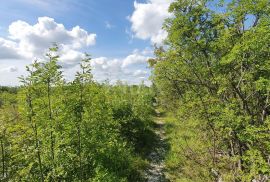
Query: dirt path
157	168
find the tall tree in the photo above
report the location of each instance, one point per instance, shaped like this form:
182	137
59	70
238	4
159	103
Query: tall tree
216	64
30	85
82	80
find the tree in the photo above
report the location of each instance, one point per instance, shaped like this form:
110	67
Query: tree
30	84
40	93
215	67
53	130
82	81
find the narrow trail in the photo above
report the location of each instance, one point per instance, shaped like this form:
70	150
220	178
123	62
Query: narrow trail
156	172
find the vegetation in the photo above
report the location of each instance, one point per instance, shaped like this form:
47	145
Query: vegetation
53	130
214	75
211	80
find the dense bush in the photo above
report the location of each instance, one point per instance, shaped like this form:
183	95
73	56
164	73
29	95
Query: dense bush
213	74
77	131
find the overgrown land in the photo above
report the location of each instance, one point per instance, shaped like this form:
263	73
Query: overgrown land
53	130
211	80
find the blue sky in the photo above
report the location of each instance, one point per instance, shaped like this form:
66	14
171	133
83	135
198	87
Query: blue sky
90	15
119	35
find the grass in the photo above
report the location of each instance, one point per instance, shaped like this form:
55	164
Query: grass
186	157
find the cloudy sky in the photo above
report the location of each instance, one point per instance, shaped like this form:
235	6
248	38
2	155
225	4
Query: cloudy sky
119	35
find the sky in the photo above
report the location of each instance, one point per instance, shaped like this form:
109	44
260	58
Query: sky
118	34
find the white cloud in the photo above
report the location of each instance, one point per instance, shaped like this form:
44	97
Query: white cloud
70	57
140	73
10	69
134	59
8	49
148	18
130	68
104	64
29	42
34	40
130	35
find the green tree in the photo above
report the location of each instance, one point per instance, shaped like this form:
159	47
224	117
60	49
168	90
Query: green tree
29	93
215	69
53	130
80	87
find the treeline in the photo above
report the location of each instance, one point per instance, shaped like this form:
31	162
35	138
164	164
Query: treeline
214	76
8	89
53	130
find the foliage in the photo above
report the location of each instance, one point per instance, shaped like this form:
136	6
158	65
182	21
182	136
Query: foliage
214	73
53	130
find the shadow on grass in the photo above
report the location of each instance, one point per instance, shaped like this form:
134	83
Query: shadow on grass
146	137
157	151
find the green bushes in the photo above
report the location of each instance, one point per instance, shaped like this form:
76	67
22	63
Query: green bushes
213	74
76	131
134	114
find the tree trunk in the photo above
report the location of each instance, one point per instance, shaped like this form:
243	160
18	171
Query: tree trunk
38	154
34	127
79	131
50	118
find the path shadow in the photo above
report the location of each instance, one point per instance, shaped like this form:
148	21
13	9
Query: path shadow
160	148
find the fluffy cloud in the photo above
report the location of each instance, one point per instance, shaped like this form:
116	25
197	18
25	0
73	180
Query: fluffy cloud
134	59
8	49
70	57
147	20
27	42
132	68
34	40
